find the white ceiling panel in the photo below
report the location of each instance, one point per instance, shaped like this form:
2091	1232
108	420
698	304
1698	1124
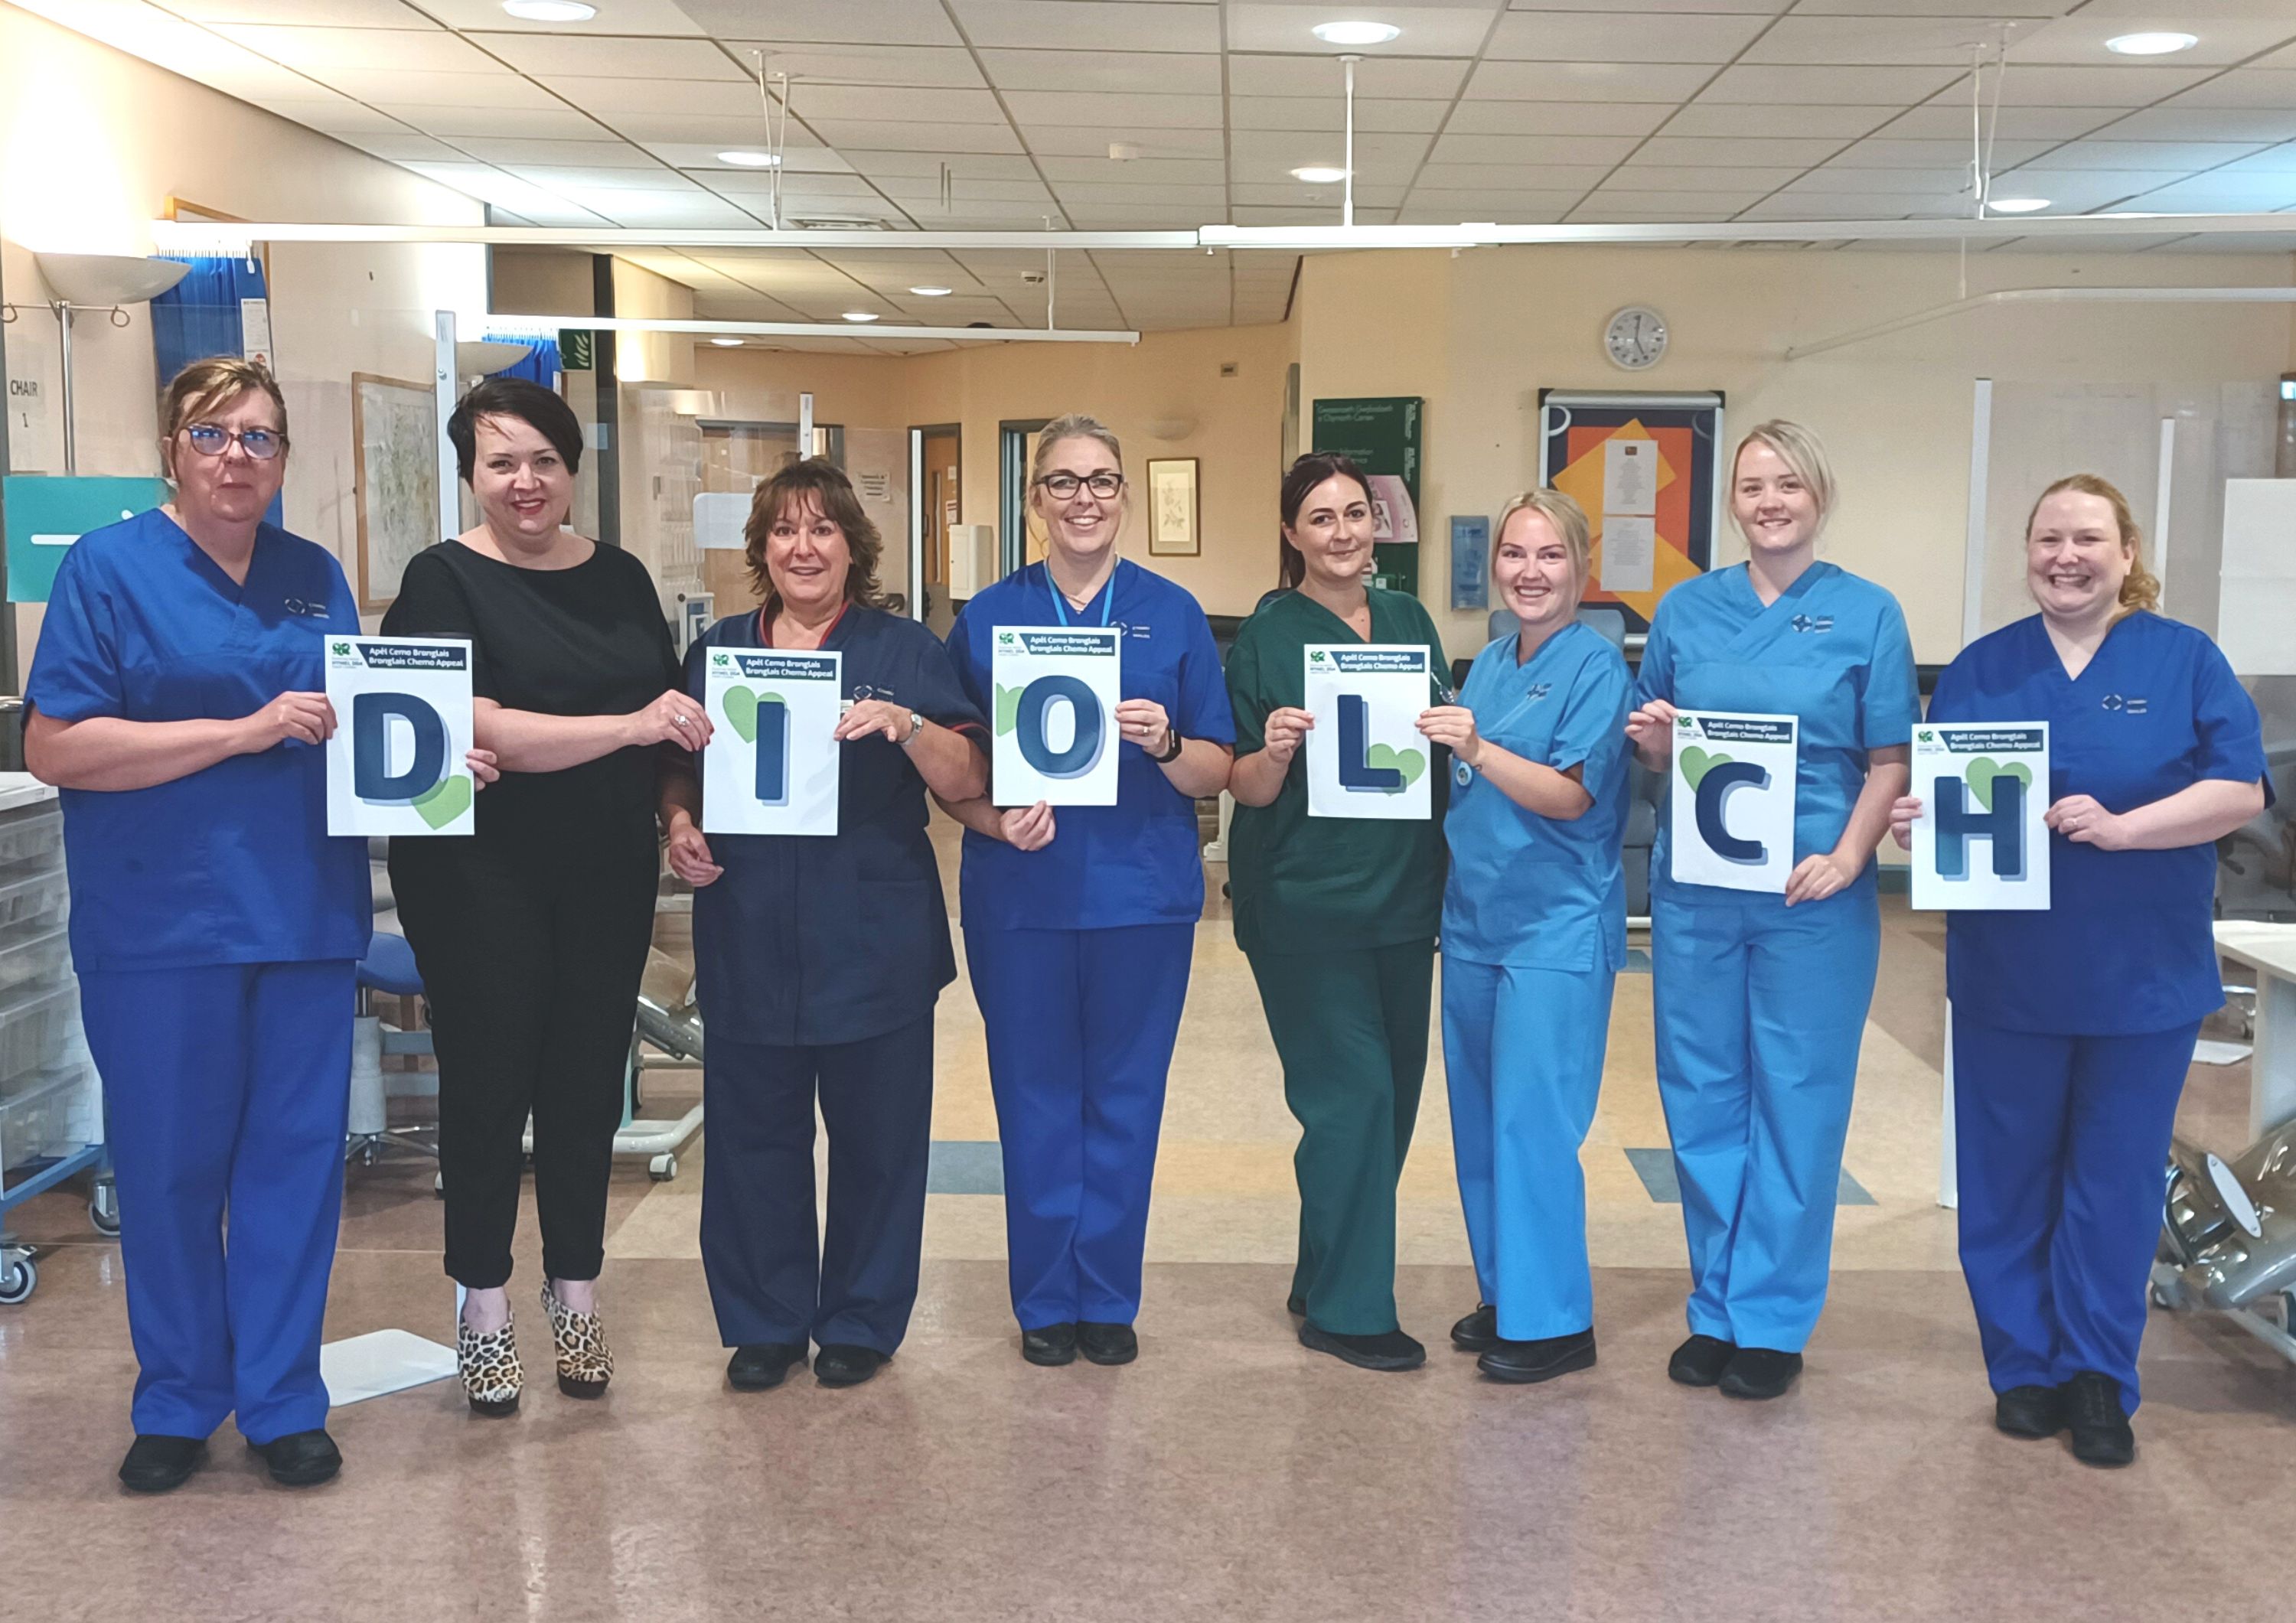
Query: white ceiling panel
1855	205
1172	194
1377	156
316	50
610	57
1300	195
1700	201
1531	149
1310	217
863	64
799	158
890	104
865	135
569	180
1089	24
1880	42
2260	87
1951	156
325	14
1132	72
920	189
1586	81
335	114
1949	120
730	98
1144	171
880	165
1621	35
754	183
1853	86
2226	35
1833	177
509	151
1510	176
1691	177
2181	121
403	146
692	210
1093	141
1412	77
1428	30
1437	214
2182	157
381	86
2271	160
2076	191
1559	117
492	118
1304	112
1075	106
890	23
1513	202
1937	8
2093	87
629	16
1755	152
1606	213
1821	122
2222	191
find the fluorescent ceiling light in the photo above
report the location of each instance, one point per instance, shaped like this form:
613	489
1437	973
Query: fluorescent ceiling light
2163	44
1355	33
860	314
1320	175
750	160
2016	205
931	292
550	11
726	343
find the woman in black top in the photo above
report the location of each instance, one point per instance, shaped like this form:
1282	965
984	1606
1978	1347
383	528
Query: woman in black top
531	935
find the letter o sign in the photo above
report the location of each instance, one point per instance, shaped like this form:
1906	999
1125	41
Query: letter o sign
1028	727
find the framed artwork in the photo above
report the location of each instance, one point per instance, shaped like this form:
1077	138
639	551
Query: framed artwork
1173	508
395	469
1643	467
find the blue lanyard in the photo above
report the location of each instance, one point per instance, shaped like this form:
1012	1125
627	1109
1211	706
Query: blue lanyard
1107	599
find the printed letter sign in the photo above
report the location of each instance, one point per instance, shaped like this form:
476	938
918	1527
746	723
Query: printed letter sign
1367	756
1731	821
771	766
1057	689
395	765
1980	840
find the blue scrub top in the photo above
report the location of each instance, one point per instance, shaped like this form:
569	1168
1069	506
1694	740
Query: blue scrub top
1528	890
2124	946
232	864
1832	650
1137	862
806	941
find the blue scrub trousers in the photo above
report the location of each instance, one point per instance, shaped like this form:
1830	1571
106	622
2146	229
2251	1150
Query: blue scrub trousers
225	1091
2059	1142
774	1274
1081	1025
1523	1051
1759	1009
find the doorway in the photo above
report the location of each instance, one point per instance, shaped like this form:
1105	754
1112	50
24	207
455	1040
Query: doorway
1020	536
737	457
936	507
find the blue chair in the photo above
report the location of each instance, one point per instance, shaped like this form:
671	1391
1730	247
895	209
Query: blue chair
387	969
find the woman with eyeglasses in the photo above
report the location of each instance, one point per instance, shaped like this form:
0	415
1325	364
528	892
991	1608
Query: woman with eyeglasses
178	701
1079	925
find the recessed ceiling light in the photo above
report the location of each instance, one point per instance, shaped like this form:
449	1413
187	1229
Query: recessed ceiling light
1320	175
2163	44
2016	205
860	314
931	292
550	11
750	160
726	343
1355	33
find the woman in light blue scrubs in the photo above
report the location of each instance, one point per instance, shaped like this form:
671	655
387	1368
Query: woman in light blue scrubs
1760	1000
2063	1102
178	701
1534	933
1079	925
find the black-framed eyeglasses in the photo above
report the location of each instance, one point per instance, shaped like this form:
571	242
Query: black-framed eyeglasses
1060	486
261	445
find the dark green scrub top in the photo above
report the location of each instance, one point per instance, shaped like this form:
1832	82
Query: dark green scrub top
1306	885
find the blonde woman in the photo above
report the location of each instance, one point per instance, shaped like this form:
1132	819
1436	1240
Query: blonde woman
1760	1000
1534	934
2064	1093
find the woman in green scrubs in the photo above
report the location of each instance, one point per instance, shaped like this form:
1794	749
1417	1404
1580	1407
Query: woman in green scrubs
1337	917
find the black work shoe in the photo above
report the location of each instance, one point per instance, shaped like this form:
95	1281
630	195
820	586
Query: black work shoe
1391	1350
301	1459
842	1363
1051	1346
2100	1426
156	1465
1700	1361
1524	1361
1296	1305
1478	1331
1759	1372
765	1363
1107	1343
2030	1411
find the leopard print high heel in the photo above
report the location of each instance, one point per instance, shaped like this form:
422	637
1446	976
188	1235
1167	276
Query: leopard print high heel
585	1362
487	1362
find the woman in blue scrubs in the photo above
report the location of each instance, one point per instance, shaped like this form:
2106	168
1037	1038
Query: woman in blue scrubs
176	699
818	961
2063	1103
1078	927
1534	933
1760	1000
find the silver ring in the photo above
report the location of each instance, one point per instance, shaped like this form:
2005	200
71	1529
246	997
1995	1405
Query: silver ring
678	721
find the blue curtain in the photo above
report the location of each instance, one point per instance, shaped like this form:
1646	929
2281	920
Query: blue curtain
541	365
200	317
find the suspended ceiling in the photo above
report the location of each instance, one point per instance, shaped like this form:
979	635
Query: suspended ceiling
1540	110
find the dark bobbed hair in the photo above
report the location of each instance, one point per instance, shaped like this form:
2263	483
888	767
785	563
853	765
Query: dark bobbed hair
531	404
1310	471
826	482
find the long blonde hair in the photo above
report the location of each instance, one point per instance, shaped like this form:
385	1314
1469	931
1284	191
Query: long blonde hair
2141	589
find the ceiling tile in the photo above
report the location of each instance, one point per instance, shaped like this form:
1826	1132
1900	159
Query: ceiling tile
2259	88
316	50
1123	72
511	150
892	22
1949	120
1511	177
381	86
1093	141
879	166
1585	81
1375	154
400	147
1937	8
1304	112
1697	202
1877	41
1428	30
2093	87
951	66
863	135
1075	106
2272	160
1882	154
1854	86
1558	118
1532	149
568	181
1414	78
629	16
1599	36
1174	194
2183	157
491	118
2181	121
610	57
1955	181
608	97
1820	122
335	114
2222	193
329	13
1691	177
1752	152
1087	25
1144	171
905	104
2225	37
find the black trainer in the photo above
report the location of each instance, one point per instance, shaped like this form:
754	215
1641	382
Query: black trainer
1478	1331
1391	1350
1107	1343
763	1365
1759	1372
1051	1346
1525	1362
2030	1411
301	1459
158	1464
2102	1435
1700	1361
844	1363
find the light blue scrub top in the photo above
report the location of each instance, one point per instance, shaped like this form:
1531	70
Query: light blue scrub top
232	864
1832	650
1526	891
2155	710
1138	862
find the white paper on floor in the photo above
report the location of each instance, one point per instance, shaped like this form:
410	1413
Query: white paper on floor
2210	1051
381	1362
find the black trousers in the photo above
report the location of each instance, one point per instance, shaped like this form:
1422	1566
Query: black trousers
531	963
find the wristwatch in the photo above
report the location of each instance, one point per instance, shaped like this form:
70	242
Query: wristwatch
916	725
1172	750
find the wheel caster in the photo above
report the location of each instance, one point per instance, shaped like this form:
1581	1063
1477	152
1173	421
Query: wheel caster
103	1210
18	1278
664	1167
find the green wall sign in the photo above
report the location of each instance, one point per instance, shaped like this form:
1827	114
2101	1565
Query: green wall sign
47	512
1382	433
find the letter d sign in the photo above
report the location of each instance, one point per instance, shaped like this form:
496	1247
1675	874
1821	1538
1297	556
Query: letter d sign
372	778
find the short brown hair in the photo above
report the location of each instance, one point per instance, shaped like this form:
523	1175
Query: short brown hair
826	483
207	386
2142	589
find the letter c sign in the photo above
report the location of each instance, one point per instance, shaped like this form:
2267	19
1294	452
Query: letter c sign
372	778
1030	730
1713	793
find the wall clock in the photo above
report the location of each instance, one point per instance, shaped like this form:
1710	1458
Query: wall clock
1635	338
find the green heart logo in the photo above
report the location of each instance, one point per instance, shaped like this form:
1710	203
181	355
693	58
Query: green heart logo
1985	769
1696	763
1410	763
444	801
742	713
1008	708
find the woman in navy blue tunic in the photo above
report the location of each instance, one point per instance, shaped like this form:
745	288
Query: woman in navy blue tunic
2073	1026
819	962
